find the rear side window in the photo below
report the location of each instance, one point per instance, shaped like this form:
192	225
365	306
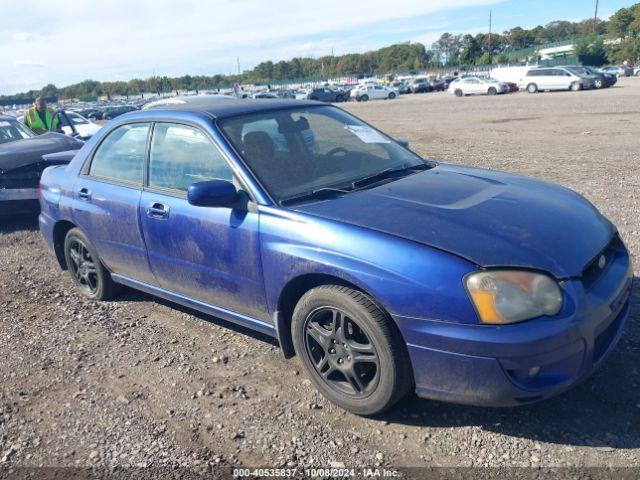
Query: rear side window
120	156
181	156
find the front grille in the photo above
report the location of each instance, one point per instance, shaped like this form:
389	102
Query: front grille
23	177
593	272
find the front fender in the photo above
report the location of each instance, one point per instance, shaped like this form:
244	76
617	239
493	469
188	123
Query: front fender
408	279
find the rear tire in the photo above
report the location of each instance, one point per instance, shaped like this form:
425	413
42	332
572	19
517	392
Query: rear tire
576	87
351	350
532	88
87	272
458	92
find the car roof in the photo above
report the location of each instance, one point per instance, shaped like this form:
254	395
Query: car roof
223	107
6	117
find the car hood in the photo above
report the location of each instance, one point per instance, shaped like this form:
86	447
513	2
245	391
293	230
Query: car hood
487	217
30	150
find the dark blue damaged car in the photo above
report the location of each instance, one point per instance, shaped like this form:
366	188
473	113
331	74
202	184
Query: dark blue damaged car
384	272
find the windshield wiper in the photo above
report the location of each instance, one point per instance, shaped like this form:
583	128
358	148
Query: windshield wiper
389	172
319	193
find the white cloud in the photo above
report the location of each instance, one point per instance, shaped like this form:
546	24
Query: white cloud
120	39
26	37
28	63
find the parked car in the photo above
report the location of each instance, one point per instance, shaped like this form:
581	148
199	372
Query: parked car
477	86
76	125
437	85
513	87
510	74
447	79
382	271
110	113
21	164
92	114
556	78
600	79
363	93
400	87
326	94
619	71
636	71
185	100
419	85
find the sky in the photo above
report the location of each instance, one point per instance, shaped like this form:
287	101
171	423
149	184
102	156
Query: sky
68	41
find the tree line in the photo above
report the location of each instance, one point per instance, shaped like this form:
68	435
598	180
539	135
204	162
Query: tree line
449	51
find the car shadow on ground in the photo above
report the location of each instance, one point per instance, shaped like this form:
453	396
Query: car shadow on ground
603	411
10	224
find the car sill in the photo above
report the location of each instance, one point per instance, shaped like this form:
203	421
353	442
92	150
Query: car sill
245	321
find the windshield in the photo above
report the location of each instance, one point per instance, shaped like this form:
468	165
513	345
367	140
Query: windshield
298	151
77	119
12	130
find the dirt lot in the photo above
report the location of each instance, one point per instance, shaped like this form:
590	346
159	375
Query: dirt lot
137	382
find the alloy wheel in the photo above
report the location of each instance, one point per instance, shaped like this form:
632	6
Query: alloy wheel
82	266
342	354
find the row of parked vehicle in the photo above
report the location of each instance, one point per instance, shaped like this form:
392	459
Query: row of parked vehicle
537	79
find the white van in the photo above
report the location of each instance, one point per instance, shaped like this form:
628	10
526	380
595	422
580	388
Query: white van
510	74
555	78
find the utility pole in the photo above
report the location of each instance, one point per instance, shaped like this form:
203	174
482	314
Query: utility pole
595	17
238	62
490	25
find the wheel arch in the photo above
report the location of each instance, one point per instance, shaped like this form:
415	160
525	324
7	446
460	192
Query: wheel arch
291	294
60	230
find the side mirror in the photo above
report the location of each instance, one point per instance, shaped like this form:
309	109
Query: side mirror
213	193
402	142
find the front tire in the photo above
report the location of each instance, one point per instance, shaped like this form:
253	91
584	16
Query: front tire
492	91
87	272
350	349
532	88
458	93
576	87
599	83
364	98
392	95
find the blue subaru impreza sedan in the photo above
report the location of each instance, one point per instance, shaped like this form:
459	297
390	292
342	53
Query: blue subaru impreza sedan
382	271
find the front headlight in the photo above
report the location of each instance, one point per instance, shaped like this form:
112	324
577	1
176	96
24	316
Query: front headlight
511	296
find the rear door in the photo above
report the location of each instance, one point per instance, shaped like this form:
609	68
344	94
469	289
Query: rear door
106	201
209	254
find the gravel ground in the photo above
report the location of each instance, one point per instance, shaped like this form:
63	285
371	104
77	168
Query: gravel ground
143	383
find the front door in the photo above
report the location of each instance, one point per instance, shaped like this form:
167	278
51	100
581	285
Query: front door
204	253
106	201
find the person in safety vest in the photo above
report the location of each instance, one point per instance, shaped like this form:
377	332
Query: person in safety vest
41	119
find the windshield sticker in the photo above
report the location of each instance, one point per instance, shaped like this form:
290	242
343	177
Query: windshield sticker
366	134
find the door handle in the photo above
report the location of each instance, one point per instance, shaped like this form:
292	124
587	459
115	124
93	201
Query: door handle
158	210
84	194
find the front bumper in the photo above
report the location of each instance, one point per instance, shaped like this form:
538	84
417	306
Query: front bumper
521	363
